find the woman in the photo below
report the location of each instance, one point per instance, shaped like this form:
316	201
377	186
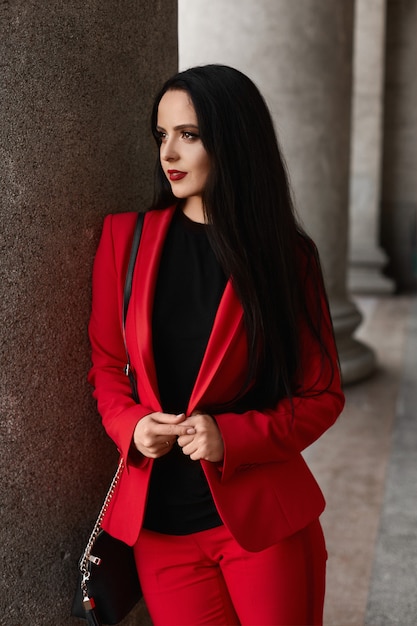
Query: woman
231	343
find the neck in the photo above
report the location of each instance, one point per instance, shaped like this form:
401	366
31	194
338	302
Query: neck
193	209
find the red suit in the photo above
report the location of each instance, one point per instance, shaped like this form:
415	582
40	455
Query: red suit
263	490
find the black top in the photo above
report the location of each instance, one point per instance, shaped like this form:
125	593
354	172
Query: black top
188	291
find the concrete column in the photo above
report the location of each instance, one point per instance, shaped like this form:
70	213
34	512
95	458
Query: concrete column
77	80
367	259
300	56
399	180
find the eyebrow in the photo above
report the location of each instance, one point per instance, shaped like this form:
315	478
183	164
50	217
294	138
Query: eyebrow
180	127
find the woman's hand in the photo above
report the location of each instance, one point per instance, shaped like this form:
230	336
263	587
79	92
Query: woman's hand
156	433
206	442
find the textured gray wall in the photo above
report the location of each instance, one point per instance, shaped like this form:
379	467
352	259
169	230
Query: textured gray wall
77	80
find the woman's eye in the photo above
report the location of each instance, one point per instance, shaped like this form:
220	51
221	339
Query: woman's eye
160	135
189	135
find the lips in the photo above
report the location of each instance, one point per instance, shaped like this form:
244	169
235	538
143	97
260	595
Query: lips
176	175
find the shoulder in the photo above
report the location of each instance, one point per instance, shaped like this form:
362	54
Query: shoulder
126	221
117	232
120	221
306	248
307	257
311	283
118	228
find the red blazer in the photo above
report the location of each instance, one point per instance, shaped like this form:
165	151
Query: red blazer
263	490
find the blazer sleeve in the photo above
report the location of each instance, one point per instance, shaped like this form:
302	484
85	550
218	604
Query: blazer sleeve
112	390
276	434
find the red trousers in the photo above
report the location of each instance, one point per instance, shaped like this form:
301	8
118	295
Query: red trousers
207	579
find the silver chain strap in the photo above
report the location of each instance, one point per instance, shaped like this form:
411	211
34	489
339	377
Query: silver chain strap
86	557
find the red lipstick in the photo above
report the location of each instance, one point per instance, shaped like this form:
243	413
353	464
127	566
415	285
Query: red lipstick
176	175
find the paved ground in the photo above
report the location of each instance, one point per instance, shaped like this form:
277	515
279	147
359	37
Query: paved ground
367	467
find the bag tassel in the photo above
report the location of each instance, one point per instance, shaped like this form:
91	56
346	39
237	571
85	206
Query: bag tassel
90	612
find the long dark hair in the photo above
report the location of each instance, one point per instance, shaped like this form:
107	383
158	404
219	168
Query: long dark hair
254	232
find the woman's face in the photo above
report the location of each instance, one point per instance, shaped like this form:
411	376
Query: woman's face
183	157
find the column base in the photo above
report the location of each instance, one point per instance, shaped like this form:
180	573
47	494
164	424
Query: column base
365	280
357	360
365	272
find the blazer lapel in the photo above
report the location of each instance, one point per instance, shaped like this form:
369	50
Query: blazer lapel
223	369
155	229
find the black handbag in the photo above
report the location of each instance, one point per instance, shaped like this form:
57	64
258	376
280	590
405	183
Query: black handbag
108	586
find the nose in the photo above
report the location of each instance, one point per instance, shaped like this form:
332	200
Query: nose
168	150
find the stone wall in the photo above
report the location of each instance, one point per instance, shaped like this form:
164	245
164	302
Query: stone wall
77	81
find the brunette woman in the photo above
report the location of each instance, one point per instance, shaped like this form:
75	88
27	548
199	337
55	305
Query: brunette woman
231	342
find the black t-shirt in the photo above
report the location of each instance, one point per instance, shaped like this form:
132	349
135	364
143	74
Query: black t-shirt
189	287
